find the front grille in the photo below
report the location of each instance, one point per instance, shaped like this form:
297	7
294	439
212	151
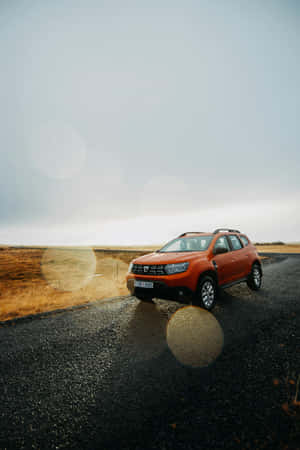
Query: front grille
152	270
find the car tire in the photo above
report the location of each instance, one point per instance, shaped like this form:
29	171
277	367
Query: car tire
255	277
145	298
206	294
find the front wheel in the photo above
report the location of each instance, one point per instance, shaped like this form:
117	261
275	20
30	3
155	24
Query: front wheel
206	295
255	278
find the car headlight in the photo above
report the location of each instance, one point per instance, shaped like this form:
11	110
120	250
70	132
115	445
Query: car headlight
130	267
176	268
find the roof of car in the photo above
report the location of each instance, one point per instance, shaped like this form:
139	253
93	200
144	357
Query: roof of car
229	230
218	230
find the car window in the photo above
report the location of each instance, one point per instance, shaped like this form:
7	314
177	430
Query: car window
222	242
188	244
236	244
244	240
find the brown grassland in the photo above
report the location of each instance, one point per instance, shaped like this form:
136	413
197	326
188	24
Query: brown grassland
286	248
35	279
31	283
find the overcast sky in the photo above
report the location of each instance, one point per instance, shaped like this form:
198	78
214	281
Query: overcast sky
128	122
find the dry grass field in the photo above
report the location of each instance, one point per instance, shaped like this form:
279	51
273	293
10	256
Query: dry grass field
286	248
34	280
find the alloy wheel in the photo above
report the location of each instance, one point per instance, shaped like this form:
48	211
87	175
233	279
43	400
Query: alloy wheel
207	294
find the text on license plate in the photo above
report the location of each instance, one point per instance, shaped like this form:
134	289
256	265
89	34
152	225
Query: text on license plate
143	284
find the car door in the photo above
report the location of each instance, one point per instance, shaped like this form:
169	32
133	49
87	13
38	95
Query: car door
224	262
239	257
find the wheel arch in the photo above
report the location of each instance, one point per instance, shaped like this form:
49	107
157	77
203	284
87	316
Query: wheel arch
258	262
210	272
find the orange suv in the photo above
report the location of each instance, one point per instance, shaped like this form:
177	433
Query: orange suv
194	265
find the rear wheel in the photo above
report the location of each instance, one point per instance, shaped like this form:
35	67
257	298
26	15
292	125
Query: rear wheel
255	277
206	295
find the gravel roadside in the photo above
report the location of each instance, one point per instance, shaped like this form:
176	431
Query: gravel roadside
103	377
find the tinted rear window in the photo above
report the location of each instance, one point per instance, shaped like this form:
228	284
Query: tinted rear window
236	245
244	240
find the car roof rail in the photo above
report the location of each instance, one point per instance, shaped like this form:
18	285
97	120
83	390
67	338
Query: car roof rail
230	230
191	232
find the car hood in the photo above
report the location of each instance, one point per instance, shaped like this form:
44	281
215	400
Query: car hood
168	258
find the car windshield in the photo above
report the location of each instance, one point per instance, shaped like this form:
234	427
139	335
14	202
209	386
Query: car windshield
188	244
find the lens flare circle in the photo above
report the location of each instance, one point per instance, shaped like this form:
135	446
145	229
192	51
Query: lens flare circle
194	336
68	269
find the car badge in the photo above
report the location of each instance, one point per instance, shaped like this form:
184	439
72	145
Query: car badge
146	268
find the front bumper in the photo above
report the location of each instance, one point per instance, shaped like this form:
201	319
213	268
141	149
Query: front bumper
160	290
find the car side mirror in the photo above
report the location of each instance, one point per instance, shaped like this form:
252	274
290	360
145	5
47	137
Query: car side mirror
219	250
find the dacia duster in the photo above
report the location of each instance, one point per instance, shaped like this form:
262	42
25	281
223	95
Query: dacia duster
194	265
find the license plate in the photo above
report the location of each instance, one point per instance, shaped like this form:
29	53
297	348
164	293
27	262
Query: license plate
143	284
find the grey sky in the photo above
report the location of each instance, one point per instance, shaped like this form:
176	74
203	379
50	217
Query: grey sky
137	112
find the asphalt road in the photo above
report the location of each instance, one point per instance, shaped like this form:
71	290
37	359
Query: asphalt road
104	377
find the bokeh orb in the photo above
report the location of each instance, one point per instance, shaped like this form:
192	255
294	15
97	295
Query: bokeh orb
68	269
194	336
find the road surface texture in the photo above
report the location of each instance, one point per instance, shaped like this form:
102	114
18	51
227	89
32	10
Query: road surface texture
103	376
